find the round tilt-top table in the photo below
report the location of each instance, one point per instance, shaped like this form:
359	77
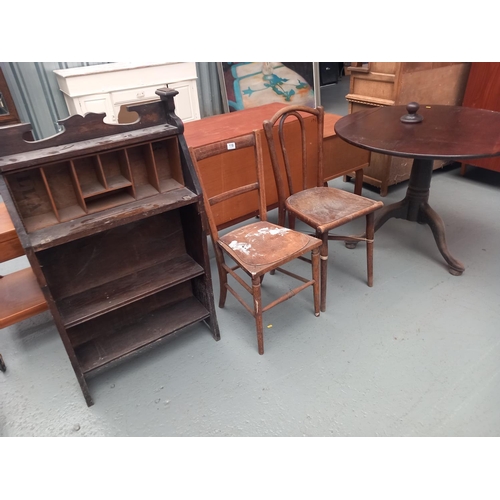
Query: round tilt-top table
424	133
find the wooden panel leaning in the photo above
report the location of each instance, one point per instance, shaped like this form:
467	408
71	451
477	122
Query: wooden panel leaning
259	247
110	217
302	193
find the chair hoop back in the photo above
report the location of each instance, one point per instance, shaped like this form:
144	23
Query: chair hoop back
279	144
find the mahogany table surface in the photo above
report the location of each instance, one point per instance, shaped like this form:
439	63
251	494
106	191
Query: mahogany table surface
446	132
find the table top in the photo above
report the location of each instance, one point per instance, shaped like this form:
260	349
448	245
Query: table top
446	132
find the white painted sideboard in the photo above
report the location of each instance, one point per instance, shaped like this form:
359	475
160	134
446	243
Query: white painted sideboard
108	87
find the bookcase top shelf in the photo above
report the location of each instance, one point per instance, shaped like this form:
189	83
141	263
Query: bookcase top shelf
90	131
50	154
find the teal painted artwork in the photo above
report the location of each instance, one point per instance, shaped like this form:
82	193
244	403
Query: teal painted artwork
251	84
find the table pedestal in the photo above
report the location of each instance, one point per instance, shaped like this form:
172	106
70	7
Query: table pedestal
414	207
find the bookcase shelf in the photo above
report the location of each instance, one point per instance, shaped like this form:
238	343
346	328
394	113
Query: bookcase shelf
147	329
64	191
110	217
114	294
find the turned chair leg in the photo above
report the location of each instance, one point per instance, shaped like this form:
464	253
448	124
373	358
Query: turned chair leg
315	260
257	307
222	285
219	258
324	267
370	232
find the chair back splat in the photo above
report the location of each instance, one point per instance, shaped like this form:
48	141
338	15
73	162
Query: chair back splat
256	248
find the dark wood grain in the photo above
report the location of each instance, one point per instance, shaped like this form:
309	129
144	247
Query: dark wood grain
446	132
81	265
148	329
113	217
60	153
79	128
122	291
128	314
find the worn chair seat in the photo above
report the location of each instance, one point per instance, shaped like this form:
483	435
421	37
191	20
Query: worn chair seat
326	208
261	246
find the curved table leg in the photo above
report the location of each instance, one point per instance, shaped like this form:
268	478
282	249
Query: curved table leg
415	207
428	216
398	210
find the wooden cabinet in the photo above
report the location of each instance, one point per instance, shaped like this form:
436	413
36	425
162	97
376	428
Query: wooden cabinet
340	158
110	217
483	91
110	88
398	83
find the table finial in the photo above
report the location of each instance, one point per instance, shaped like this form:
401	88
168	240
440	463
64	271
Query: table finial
412	116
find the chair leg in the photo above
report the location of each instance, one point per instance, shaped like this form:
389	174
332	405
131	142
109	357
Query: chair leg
316	277
370	232
222	285
219	258
324	266
2	364
257	307
291	221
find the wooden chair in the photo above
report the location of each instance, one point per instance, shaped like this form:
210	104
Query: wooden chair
256	247
305	195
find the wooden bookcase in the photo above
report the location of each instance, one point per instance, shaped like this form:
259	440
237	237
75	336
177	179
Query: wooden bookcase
111	219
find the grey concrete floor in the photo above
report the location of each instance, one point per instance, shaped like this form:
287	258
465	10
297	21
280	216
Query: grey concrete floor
416	355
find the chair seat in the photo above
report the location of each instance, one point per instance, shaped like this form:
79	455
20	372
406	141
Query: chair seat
261	246
325	208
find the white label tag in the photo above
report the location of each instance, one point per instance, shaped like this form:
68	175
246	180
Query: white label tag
231	145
